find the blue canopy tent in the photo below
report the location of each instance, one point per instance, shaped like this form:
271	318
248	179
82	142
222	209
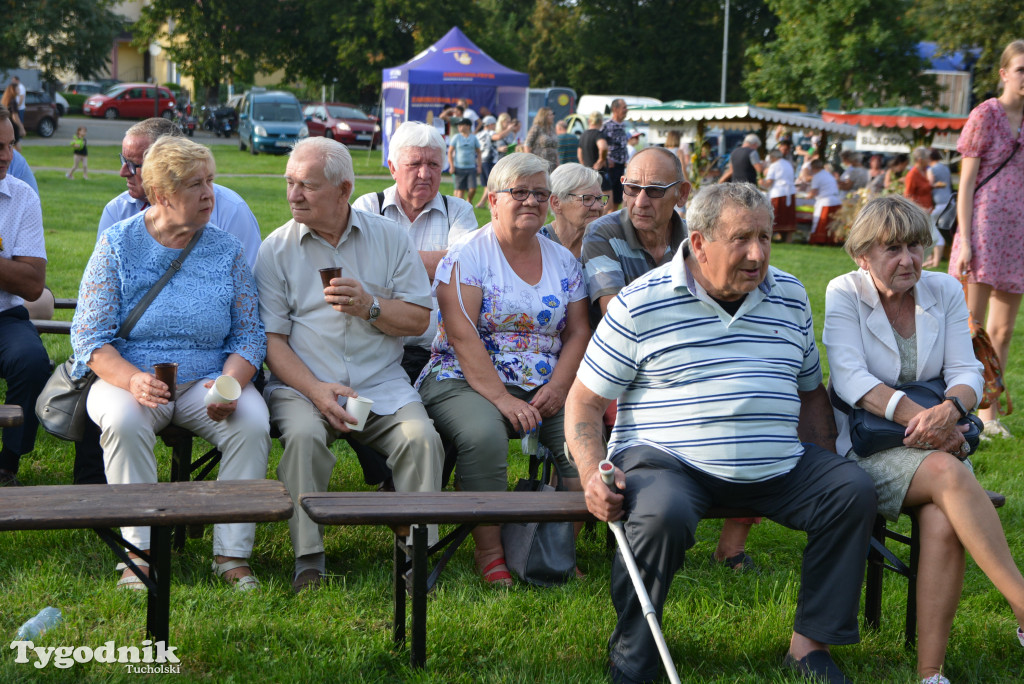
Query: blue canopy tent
450	69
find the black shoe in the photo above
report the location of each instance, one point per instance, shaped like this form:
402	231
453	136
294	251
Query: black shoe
9	479
741	562
619	677
307	579
817	666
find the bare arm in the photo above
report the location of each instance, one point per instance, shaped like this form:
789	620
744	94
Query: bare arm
285	364
969	167
397	318
935	426
431	259
23	276
584	434
727	175
602	303
602	154
817	424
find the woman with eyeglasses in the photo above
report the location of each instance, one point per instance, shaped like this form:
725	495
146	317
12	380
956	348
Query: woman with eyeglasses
576	200
512	329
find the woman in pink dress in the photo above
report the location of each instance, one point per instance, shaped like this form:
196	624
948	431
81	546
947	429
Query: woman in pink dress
989	244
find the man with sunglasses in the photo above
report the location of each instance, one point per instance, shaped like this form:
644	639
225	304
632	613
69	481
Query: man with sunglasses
620	247
230	212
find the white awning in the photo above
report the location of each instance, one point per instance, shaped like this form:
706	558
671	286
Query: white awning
733	116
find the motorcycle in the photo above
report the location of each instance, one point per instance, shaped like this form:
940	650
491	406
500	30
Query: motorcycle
220	121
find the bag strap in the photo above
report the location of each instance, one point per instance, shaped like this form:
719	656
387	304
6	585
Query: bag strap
971	323
147	299
1005	162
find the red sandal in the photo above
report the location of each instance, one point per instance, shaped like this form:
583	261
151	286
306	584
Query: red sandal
495	577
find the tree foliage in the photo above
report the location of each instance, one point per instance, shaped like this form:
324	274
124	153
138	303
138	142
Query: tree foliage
861	52
987	24
58	35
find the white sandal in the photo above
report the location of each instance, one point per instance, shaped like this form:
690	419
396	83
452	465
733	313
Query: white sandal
246	583
133	581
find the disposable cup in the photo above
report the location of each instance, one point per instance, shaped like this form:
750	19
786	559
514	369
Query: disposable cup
225	390
359	407
326	274
167	373
529	442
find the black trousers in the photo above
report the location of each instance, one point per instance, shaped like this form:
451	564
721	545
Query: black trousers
825	495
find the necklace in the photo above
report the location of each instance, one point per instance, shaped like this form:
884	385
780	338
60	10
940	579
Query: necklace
899	310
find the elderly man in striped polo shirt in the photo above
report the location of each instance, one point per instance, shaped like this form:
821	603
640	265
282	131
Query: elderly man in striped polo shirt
713	361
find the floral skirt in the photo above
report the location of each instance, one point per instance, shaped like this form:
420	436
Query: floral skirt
892	470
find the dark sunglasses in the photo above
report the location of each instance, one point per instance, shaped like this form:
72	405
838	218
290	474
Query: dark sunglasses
133	168
653	191
588	200
520	194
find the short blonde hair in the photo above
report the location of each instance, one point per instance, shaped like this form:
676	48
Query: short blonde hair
169	162
888	220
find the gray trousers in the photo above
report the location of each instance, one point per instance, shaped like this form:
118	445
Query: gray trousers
407	438
665	499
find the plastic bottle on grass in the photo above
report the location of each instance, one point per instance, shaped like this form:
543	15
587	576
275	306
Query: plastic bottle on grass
47	619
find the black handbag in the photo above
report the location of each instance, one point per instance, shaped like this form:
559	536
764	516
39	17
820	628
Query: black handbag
946	221
540	553
60	407
871	433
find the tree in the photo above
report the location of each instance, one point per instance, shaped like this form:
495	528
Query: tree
862	53
59	35
987	24
210	40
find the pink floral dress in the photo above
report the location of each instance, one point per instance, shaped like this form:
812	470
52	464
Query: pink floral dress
997	230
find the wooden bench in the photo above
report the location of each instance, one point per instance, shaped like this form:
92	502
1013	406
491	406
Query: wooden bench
880	559
160	506
11	415
52	327
465	509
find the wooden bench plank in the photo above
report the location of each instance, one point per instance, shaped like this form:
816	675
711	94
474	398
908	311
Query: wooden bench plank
11	415
141	505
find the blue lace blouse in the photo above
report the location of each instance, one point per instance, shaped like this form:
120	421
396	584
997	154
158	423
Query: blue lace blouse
208	310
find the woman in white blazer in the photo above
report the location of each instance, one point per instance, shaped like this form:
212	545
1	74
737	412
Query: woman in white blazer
886	324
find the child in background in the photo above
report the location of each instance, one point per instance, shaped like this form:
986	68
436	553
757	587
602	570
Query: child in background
80	150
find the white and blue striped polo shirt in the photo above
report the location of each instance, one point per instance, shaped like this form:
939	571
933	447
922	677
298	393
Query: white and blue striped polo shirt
718	392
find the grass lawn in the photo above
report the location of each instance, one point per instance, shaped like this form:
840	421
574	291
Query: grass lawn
720	627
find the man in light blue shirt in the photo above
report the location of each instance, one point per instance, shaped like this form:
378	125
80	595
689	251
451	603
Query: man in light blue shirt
20	169
230	212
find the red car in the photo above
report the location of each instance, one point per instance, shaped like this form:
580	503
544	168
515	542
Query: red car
131	101
344	122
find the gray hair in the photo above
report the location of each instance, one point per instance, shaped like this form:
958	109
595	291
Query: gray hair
775	154
888	220
335	157
706	208
569	177
414	134
920	153
153	128
513	167
752	139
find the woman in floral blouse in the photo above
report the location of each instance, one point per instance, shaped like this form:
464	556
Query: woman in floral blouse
512	329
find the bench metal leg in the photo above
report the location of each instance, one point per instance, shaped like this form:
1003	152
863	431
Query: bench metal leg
910	629
398	579
158	610
418	652
875	575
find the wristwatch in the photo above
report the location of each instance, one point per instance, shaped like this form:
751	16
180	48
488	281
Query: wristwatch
375	313
957	405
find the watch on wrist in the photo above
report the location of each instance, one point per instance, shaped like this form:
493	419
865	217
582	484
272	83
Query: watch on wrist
374	311
957	405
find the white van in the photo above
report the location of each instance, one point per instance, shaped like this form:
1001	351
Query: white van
602	104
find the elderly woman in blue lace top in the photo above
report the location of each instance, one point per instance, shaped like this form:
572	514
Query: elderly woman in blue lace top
205	319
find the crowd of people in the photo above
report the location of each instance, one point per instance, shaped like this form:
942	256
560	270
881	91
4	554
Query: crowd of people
672	346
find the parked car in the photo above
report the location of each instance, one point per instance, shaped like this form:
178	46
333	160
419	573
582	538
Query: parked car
131	101
344	122
270	121
62	104
41	114
84	88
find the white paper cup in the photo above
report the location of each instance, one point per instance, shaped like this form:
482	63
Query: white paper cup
359	407
225	390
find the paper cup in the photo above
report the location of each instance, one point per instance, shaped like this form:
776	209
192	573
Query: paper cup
167	373
359	407
225	390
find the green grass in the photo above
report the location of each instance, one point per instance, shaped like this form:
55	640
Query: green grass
720	627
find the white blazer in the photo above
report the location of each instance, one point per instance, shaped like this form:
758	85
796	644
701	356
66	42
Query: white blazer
861	344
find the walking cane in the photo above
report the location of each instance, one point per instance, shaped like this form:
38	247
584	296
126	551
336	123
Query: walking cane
607	470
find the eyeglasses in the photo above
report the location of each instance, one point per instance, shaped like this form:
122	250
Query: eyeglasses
133	168
588	200
520	194
653	191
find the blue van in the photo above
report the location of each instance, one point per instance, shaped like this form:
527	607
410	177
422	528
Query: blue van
270	121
